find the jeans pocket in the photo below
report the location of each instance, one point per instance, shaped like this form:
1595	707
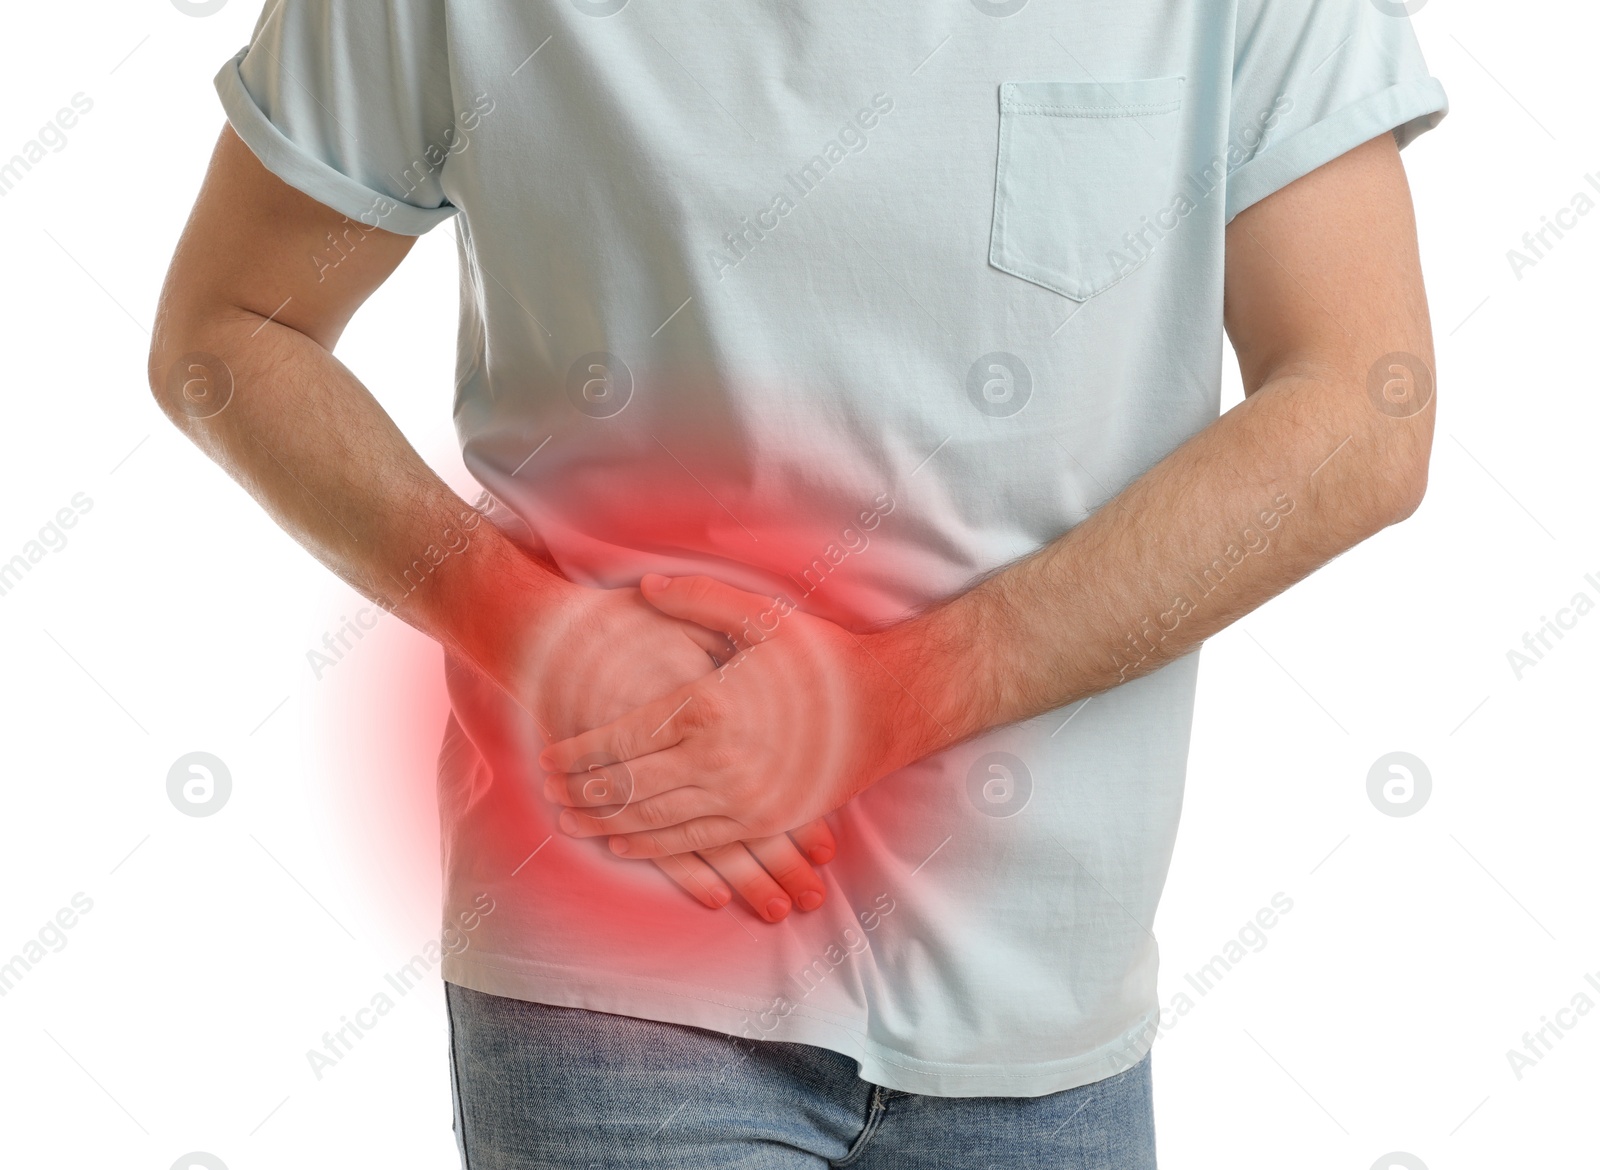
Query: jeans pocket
1079	162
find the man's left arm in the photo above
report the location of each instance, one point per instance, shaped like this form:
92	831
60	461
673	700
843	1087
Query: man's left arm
1325	307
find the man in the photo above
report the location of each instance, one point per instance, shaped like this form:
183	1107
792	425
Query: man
844	381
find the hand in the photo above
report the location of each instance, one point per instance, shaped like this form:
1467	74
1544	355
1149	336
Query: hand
575	678
802	718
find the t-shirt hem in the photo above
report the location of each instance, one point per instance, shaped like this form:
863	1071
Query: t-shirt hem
732	1014
310	175
1407	109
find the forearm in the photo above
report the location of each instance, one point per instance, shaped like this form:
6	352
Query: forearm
1301	471
317	451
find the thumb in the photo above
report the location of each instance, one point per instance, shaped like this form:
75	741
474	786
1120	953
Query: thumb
708	602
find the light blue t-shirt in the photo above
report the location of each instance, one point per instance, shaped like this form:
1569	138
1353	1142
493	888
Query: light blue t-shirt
852	303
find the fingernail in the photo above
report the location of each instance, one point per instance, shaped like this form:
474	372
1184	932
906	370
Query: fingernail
545	763
652	581
569	822
721	895
821	855
777	908
810	899
619	846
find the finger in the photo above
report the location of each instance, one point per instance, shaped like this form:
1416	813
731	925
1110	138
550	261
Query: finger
779	857
599	784
645	729
816	841
708	602
697	877
659	812
754	883
615	785
690	837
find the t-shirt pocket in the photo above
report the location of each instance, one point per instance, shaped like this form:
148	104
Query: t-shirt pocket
1079	162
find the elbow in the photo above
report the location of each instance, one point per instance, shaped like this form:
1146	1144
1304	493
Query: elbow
1398	485
1407	495
164	371
157	367
1398	470
188	383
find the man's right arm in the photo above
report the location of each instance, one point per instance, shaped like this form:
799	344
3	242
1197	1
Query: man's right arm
242	362
248	317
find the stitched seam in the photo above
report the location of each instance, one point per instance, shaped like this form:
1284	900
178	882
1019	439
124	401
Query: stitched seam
460	1093
876	1109
997	243
1090	111
1041	276
998	240
820	1015
878	1053
1035	273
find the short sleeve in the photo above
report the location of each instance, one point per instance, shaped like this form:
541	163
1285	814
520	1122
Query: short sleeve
1313	79
350	103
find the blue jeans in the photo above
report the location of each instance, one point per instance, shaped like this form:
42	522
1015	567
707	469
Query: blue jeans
539	1086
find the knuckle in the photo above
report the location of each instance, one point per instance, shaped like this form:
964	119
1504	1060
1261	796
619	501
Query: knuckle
716	757
624	742
653	814
702	834
673	866
701	711
790	872
724	859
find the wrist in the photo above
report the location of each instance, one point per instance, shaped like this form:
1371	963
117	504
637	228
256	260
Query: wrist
497	601
934	674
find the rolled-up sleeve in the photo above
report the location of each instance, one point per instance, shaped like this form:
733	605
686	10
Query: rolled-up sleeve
1316	78
351	104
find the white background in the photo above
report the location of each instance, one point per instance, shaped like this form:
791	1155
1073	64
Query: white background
178	1013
